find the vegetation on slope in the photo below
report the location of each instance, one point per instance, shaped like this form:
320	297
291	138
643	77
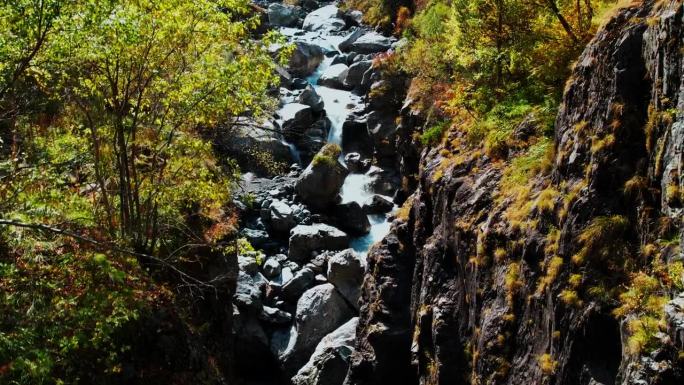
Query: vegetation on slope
111	198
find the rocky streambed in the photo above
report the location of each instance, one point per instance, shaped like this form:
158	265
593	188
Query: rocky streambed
296	303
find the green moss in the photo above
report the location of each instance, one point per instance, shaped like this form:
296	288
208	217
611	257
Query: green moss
327	155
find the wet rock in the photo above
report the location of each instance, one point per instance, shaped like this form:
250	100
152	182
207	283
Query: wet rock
275	316
371	42
329	363
356	164
271	268
282	216
306	239
340	59
355	136
320	183
345	272
283	15
320	311
310	98
377	204
334	76
325	18
351	218
302	280
305	58
296	118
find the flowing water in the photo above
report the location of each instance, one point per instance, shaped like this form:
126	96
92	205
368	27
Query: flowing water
338	104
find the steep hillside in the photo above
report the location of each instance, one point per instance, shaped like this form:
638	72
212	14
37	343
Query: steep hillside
556	267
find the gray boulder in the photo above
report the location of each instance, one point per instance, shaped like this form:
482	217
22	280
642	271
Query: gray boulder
283	15
306	239
345	271
334	76
329	363
320	310
296	118
302	280
371	42
248	264
271	268
247	294
320	183
256	138
256	238
305	58
282	216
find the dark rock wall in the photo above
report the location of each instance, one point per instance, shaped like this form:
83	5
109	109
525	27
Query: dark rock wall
439	308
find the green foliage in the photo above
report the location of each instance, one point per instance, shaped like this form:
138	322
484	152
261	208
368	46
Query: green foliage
105	108
433	135
603	239
525	166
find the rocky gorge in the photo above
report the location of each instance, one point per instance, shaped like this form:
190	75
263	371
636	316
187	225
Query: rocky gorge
473	280
297	297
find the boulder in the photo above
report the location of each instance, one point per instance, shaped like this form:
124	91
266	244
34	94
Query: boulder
252	340
271	268
355	163
329	363
282	216
283	15
259	138
345	271
305	59
377	204
334	76
247	294
306	239
324	19
301	281
320	183
371	42
257	238
355	73
248	264
320	311
310	97
296	118
351	218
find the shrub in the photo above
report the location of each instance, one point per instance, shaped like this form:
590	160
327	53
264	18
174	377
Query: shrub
602	239
547	364
433	135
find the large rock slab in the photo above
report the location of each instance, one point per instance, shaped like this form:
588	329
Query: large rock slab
329	363
281	216
260	138
324	19
306	239
345	271
320	310
371	42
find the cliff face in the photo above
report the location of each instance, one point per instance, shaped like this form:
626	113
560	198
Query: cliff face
486	284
